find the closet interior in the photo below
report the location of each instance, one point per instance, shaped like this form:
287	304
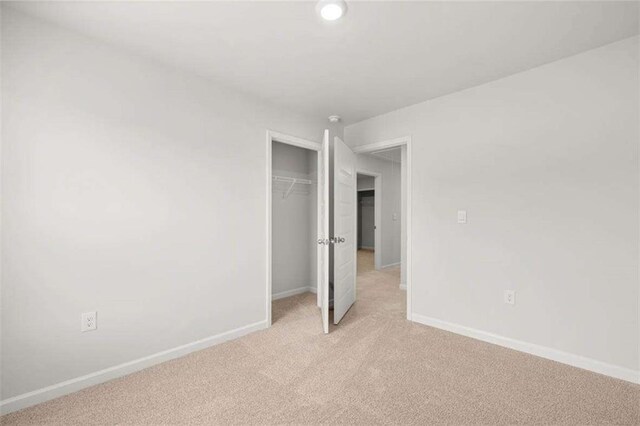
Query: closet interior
293	222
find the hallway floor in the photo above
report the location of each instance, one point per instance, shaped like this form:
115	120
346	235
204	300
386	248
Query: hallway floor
373	368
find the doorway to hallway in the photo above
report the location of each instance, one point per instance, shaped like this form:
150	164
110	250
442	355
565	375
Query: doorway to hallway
380	220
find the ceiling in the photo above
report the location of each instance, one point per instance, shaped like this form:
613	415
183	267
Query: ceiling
381	56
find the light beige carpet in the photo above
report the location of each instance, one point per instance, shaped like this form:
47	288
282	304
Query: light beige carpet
374	368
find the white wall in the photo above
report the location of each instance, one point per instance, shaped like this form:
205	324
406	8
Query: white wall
365	182
128	188
546	164
293	221
390	199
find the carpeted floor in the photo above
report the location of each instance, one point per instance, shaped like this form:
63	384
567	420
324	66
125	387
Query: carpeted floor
374	368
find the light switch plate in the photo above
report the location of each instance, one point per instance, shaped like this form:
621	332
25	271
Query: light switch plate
462	216
510	297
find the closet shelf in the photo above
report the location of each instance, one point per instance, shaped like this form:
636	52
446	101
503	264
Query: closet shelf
292	181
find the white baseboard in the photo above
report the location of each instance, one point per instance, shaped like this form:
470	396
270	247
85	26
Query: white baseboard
390	265
293	292
60	389
533	349
403	286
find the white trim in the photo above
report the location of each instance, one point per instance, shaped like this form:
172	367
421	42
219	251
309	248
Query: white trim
289	140
533	349
377	209
366	189
405	140
403	286
391	265
269	191
294	140
323	229
293	292
69	386
377	146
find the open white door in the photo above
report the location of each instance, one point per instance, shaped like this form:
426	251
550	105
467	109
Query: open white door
323	231
344	223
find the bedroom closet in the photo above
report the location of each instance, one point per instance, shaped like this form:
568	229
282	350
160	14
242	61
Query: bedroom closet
294	227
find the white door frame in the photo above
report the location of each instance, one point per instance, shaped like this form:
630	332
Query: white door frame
377	208
273	136
391	143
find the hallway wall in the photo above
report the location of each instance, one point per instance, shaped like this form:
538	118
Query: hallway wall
390	199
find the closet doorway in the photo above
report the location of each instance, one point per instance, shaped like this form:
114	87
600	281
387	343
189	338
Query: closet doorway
340	235
298	224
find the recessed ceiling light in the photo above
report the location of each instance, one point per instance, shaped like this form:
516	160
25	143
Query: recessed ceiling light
331	10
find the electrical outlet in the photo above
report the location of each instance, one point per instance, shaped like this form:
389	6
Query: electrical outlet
510	297
88	321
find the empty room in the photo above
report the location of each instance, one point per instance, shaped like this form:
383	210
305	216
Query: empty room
319	212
